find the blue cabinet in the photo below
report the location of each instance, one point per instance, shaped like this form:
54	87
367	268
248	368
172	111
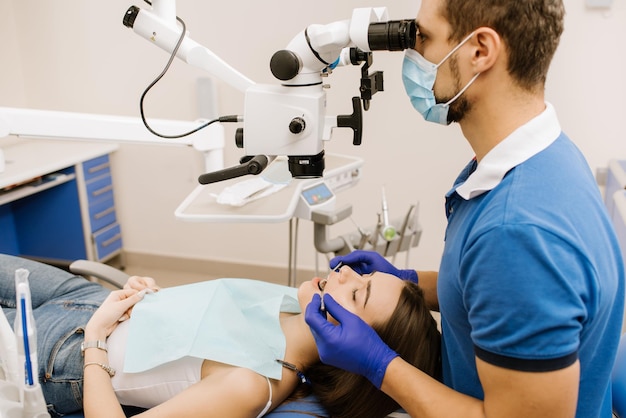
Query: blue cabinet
104	230
62	215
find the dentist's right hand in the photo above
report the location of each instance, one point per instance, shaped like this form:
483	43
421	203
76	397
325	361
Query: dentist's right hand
365	262
351	345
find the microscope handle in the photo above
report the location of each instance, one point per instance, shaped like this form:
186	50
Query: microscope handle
354	121
254	166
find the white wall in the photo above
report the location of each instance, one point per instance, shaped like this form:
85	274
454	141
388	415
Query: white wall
75	55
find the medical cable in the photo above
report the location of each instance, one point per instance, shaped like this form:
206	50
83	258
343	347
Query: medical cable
365	236
230	118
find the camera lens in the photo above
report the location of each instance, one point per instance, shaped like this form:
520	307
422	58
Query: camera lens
307	166
394	35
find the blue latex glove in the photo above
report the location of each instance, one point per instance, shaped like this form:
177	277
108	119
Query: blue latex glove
365	262
352	345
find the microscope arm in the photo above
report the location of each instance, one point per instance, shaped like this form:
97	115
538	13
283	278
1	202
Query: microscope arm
163	31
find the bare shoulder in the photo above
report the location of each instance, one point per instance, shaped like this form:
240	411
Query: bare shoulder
246	387
224	391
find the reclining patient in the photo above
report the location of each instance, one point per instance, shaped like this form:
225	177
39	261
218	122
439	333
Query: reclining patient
123	333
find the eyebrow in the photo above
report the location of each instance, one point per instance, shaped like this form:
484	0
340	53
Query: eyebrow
368	292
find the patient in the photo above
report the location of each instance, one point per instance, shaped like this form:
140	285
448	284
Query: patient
69	310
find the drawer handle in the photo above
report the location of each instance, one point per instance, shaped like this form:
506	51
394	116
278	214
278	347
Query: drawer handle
102	190
111	240
104	213
99	167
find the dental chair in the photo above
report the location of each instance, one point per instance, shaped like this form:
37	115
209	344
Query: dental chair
305	407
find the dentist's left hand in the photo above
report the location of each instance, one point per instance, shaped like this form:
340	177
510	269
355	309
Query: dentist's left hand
352	345
113	310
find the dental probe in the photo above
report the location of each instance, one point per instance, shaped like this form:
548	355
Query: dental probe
337	267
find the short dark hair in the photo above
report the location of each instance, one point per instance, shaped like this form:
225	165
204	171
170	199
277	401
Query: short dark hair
411	332
530	29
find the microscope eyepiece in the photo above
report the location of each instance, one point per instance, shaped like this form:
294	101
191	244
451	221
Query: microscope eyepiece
394	35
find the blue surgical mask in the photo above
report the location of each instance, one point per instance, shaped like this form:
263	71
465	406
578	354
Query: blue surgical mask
418	76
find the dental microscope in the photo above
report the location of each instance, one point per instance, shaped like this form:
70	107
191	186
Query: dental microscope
289	120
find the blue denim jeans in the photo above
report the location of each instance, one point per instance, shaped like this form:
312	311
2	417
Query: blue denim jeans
62	305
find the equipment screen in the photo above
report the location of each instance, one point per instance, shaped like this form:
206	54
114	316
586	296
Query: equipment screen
317	194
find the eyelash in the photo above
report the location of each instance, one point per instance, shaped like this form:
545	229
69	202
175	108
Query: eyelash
356	290
419	35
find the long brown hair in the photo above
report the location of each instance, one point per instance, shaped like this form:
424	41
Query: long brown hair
411	332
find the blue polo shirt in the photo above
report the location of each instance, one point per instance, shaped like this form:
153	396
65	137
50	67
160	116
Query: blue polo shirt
531	277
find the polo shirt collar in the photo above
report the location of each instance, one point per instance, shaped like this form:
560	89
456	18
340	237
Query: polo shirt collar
525	142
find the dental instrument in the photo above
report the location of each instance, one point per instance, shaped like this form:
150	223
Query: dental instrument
323	286
25	334
295	369
377	232
389	231
8	352
365	235
24	327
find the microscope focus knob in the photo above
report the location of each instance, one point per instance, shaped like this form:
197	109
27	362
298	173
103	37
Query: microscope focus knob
285	65
297	125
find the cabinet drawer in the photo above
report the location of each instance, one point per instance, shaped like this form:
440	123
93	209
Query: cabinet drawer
108	241
101	214
100	189
97	167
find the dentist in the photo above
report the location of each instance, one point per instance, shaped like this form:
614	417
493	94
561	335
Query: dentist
531	282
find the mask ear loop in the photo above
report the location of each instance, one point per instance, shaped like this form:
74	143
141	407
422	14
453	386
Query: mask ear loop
456	48
462	90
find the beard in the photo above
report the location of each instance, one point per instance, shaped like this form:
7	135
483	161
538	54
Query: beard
458	109
461	106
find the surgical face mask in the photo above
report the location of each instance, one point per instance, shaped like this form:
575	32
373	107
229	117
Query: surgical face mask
418	76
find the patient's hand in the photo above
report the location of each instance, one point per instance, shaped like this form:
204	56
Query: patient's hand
140	283
114	309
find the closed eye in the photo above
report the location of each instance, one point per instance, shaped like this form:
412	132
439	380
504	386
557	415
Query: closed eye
368	291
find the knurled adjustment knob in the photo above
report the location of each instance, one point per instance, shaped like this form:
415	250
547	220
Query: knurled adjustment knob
297	125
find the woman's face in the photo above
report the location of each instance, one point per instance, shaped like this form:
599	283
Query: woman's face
373	297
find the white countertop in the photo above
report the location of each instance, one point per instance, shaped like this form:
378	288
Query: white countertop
26	159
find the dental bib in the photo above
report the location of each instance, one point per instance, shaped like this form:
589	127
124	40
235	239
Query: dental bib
232	321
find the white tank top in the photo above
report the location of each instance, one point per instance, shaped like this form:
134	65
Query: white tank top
152	387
